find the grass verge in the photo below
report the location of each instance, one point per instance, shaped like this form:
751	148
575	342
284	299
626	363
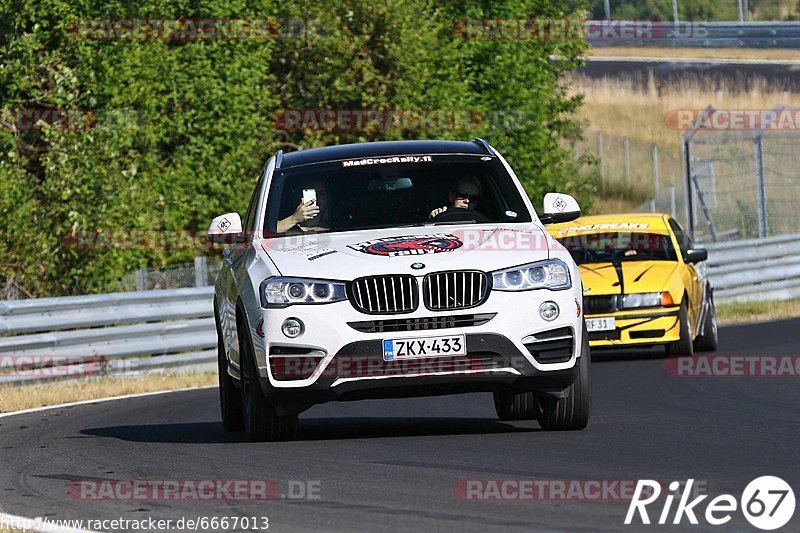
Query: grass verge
777	54
17	397
743	312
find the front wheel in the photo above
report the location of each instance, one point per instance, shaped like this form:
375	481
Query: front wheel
511	406
572	412
708	340
261	422
684	345
230	398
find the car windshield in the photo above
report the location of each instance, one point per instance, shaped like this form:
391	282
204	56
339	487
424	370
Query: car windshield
619	246
394	191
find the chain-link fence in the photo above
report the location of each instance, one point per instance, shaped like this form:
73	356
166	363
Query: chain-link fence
745	183
647	174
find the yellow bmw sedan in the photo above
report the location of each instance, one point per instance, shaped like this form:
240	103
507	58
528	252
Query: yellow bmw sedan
644	282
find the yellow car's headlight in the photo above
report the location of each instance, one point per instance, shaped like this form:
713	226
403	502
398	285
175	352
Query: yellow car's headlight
643	299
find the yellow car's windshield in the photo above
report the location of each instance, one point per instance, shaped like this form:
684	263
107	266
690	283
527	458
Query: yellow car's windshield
619	246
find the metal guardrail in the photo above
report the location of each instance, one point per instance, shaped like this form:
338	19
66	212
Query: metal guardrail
121	334
705	34
143	332
757	269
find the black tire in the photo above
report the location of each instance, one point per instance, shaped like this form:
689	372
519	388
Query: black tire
261	422
230	397
574	411
708	340
684	346
511	406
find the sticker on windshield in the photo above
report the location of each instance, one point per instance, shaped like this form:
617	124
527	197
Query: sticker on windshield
387	160
410	245
611	225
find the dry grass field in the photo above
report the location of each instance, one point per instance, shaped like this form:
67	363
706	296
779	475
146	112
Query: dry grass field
619	107
17	397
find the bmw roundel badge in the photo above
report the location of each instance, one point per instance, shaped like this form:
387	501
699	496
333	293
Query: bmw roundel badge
417	266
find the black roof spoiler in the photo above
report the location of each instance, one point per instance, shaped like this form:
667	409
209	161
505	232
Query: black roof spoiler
483	144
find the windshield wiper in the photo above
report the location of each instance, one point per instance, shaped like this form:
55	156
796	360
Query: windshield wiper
452	222
387	226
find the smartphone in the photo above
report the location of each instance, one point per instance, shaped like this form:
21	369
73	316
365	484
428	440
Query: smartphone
310	195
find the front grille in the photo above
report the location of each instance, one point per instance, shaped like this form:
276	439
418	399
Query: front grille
554	346
421	324
595	305
447	291
384	294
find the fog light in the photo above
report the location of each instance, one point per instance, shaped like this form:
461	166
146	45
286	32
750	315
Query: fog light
292	327
548	311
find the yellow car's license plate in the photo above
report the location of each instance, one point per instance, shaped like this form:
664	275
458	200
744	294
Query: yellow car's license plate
600	324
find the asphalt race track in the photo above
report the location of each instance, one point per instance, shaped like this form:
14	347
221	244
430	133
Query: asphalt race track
392	465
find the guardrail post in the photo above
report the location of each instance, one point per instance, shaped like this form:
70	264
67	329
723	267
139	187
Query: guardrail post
200	271
141	279
761	193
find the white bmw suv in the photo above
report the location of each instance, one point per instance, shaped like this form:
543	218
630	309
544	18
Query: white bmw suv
397	269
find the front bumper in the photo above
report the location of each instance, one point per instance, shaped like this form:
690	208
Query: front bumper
504	352
638	327
359	372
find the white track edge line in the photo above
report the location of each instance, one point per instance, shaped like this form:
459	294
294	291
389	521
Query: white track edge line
100	400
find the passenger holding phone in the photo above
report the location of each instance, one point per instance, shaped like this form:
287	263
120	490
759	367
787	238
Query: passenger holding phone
306	210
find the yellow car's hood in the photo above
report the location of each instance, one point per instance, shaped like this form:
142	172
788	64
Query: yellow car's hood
632	276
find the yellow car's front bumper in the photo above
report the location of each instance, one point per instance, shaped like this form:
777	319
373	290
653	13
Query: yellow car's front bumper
637	327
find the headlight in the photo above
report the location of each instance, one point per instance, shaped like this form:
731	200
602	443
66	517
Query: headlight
553	275
645	299
280	292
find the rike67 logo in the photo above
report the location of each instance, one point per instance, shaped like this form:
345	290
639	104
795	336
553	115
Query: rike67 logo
767	503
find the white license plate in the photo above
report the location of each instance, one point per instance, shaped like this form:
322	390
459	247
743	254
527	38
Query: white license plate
424	347
600	324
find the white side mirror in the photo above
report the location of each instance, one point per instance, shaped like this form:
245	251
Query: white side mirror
225	229
559	208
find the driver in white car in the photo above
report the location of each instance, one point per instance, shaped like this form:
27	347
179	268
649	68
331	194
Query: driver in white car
464	194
